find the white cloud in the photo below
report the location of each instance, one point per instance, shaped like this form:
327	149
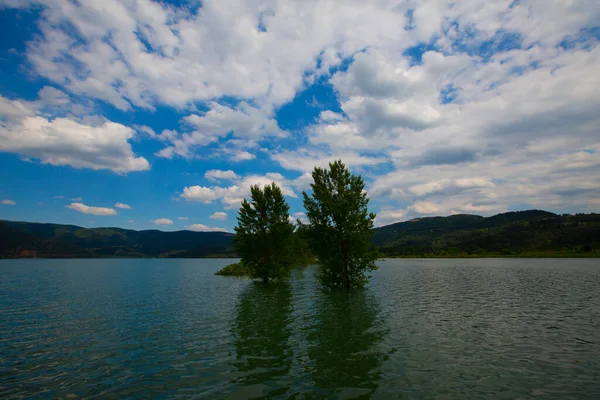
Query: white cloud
232	196
15	109
183	218
245	122
123	206
470	126
388	216
216	174
50	129
65	142
305	160
426	207
194	58
298	216
242	156
221	216
162	221
201	194
448	184
8	202
204	228
82	208
131	221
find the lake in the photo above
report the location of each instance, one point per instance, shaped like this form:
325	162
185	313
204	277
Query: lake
431	328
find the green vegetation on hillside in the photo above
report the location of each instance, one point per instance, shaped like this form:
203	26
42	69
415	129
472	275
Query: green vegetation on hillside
531	233
525	233
116	242
15	243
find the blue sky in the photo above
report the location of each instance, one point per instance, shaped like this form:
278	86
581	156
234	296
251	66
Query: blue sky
161	115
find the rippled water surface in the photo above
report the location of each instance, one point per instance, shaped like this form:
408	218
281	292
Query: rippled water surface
487	328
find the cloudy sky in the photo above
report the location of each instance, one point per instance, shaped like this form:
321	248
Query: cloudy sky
147	114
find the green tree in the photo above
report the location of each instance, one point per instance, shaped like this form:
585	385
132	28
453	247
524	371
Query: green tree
263	236
340	226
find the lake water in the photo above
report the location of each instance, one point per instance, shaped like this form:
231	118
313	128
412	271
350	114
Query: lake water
455	329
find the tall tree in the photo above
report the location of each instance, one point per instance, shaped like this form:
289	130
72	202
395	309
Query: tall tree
263	236
340	226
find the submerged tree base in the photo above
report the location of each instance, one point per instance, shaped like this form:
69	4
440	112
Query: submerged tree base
235	269
239	269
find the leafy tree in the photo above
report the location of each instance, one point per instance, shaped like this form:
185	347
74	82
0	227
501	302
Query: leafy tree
340	226
263	237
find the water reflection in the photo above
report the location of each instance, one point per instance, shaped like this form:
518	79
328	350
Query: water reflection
261	330
344	344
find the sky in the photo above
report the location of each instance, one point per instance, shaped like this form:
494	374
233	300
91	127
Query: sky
161	114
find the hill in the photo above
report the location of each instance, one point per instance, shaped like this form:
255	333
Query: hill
522	233
117	242
514	233
15	243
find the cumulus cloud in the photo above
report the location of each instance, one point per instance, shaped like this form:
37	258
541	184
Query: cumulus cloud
201	194
32	129
388	216
204	228
298	216
8	202
215	174
305	160
268	64
66	142
245	122
221	216
82	208
162	221
232	196
242	156
421	209
123	206
465	106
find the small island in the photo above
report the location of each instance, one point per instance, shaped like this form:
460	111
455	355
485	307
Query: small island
235	269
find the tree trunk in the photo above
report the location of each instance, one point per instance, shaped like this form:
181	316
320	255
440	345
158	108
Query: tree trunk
346	272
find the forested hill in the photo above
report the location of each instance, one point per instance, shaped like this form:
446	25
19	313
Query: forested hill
514	233
27	239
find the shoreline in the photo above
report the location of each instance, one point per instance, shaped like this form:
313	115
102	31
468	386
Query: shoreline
465	256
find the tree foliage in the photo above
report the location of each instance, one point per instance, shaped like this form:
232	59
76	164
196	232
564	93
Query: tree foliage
264	236
340	226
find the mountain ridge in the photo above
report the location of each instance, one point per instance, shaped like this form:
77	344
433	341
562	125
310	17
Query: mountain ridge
510	233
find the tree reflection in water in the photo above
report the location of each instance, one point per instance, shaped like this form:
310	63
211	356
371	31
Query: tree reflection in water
262	332
343	344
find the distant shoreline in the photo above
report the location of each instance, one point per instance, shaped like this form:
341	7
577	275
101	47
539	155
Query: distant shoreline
550	255
522	234
524	256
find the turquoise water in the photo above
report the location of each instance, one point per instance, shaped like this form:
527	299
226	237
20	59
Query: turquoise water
455	329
